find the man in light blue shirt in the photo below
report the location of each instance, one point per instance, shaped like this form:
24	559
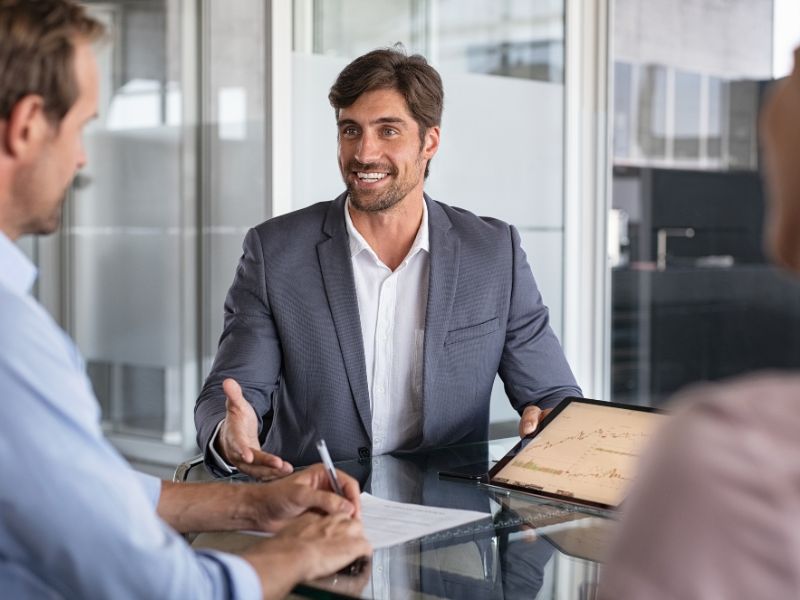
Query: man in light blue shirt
75	520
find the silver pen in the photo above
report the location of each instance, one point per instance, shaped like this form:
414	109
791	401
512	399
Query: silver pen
355	567
322	448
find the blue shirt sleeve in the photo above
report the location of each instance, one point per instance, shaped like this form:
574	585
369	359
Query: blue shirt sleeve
77	521
151	486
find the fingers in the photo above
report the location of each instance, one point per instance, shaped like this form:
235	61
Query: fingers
308	547
264	466
326	502
337	540
232	389
316	476
348	535
265	459
317	527
352	492
529	420
531	417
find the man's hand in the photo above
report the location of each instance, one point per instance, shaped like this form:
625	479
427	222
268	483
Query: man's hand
309	489
531	417
216	506
238	438
309	547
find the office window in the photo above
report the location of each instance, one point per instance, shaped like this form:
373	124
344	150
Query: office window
693	296
129	231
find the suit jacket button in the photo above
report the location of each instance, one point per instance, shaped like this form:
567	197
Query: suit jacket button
363	452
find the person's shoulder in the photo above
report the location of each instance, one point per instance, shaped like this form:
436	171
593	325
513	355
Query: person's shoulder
465	218
26	331
739	425
760	399
471	226
18	315
293	232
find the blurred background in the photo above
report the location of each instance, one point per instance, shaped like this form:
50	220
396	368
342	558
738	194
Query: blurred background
619	136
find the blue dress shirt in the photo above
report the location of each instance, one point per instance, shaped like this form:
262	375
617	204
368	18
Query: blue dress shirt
75	520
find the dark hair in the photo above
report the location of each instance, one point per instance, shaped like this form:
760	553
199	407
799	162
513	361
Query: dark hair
37	48
392	68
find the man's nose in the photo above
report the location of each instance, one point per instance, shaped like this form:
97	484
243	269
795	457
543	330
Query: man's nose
81	158
368	149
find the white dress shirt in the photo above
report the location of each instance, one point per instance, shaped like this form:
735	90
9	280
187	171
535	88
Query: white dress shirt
392	305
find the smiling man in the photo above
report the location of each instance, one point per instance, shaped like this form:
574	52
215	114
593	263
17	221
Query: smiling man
378	320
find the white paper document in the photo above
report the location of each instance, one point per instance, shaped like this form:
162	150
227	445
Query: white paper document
388	523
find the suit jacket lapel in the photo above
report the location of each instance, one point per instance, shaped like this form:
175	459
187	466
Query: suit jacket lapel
337	275
443	276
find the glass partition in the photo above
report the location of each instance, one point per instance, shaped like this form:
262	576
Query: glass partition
693	296
179	148
128	228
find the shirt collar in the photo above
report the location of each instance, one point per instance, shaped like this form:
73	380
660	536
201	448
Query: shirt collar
17	272
359	244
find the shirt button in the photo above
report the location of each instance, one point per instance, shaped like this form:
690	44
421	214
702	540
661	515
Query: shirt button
379	389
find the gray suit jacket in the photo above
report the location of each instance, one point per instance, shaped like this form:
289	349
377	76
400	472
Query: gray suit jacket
292	335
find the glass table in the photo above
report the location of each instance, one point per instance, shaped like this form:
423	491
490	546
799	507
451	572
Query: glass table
526	547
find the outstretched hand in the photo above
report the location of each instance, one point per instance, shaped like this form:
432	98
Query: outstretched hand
238	438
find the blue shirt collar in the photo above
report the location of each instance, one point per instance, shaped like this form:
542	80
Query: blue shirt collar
17	272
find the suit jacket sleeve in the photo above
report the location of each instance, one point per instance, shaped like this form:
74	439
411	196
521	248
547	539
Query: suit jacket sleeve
533	367
249	349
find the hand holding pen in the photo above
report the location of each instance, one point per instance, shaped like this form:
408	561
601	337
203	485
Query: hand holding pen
343	486
358	565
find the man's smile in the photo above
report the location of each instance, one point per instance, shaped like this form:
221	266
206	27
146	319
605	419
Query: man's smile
364	176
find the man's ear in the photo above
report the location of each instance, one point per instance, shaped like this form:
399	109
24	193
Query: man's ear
25	127
431	144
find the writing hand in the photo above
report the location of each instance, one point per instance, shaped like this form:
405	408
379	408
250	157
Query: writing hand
310	546
309	489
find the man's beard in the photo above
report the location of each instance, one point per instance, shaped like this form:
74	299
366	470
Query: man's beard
39	213
367	201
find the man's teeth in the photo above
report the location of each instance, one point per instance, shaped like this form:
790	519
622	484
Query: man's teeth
371	176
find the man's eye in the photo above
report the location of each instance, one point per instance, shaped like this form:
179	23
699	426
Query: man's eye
349	131
389	132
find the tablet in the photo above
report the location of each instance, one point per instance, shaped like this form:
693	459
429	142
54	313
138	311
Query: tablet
585	452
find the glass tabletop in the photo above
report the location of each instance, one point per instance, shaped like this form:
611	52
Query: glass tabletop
526	547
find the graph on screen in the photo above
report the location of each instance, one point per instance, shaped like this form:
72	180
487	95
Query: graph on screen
588	452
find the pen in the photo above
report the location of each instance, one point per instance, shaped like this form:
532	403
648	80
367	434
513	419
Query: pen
322	448
355	567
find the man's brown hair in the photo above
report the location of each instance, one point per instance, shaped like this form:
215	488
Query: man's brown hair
37	49
392	68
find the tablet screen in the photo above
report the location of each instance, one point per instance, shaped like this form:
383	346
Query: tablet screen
587	452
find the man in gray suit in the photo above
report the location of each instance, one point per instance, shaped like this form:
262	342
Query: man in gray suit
378	320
